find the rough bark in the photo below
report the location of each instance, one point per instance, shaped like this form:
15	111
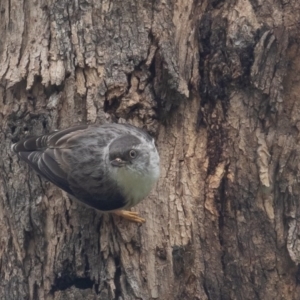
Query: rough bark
217	83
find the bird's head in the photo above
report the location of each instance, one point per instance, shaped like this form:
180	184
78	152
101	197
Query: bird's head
134	165
136	155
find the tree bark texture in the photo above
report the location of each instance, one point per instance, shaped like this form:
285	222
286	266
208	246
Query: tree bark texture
217	83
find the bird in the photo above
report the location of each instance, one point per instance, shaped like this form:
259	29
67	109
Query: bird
109	167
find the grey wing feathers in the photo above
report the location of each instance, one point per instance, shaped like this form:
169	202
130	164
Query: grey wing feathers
45	166
40	153
65	137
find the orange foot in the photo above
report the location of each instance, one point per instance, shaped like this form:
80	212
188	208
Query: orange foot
132	216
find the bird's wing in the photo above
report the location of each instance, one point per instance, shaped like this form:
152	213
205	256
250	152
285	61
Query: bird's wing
48	154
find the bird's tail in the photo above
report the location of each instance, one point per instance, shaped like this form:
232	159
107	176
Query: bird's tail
33	143
53	139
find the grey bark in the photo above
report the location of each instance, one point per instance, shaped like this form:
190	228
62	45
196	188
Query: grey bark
217	84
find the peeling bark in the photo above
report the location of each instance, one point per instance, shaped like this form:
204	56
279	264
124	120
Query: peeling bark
217	84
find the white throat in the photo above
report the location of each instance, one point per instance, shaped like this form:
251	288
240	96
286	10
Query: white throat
135	186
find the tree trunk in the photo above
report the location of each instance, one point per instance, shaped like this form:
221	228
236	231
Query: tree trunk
217	84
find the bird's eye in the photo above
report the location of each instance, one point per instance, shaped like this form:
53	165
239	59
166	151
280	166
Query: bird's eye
132	153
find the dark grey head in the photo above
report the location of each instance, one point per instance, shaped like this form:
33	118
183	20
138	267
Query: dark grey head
133	162
124	150
133	153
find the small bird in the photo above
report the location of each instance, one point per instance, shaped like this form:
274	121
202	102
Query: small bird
110	167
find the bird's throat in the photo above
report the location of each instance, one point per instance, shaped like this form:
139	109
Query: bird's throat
134	185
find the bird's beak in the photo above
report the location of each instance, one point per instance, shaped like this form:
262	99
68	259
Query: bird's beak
118	162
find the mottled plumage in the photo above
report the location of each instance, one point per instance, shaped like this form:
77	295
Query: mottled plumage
107	167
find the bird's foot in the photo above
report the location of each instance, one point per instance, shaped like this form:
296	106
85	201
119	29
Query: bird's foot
132	216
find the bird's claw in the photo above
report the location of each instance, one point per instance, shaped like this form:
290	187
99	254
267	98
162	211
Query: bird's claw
132	216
